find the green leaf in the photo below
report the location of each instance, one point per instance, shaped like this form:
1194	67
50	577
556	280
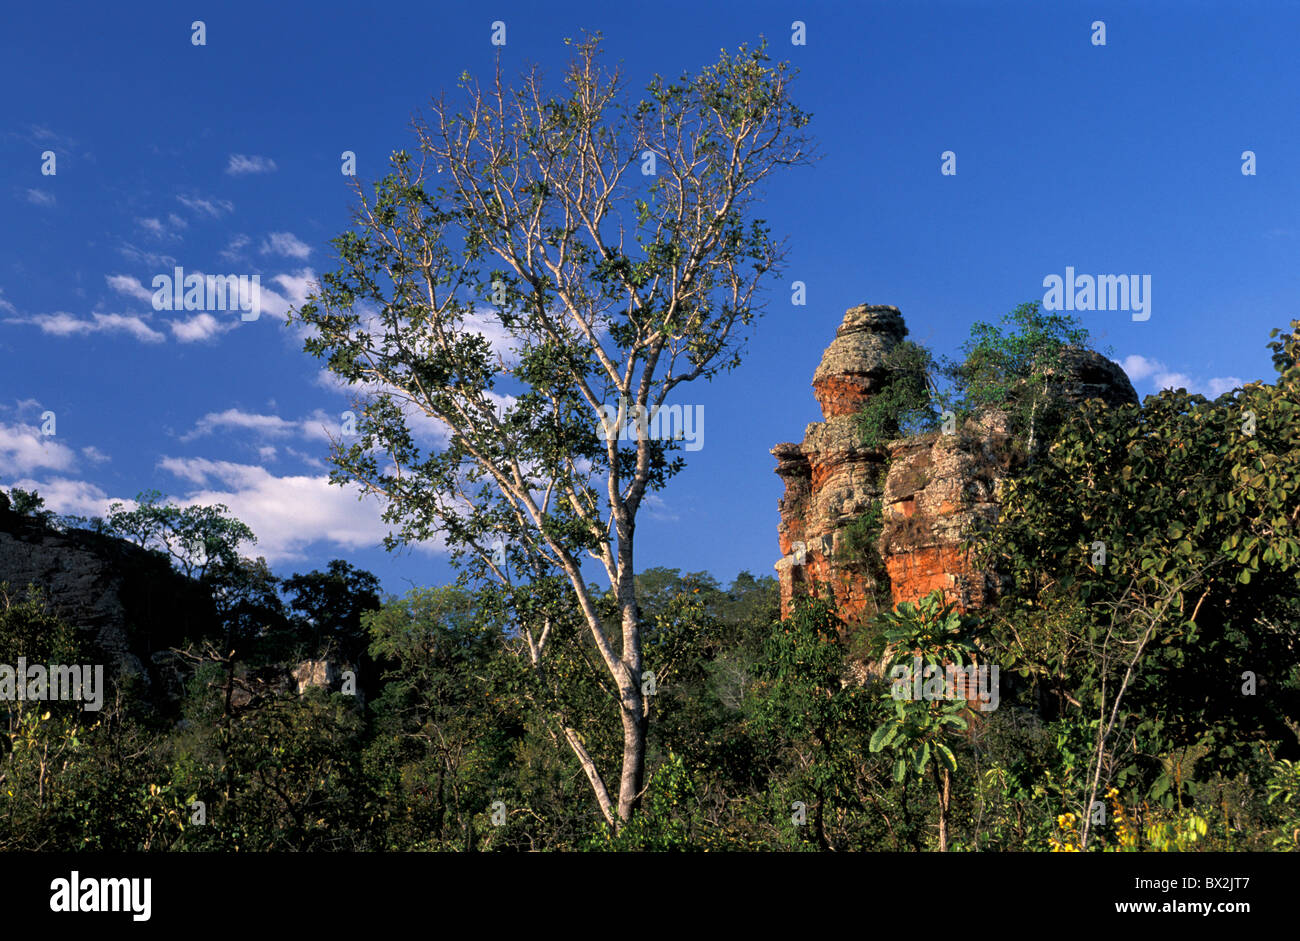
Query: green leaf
878	736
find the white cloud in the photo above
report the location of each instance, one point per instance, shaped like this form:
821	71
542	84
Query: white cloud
241	164
40	198
285	243
1174	380
46	138
43	133
321	426
233	418
1140	369
131	287
200	327
318	426
196	470
1221	384
152	226
216	208
24	449
66	496
94	455
203	326
5	305
63	324
288	513
296	287
21	407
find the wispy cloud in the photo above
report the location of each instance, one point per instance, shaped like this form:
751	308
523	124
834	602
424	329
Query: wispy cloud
147	258
40	198
317	426
241	164
131	287
285	243
234	251
293	291
63	324
658	509
159	229
216	208
38	135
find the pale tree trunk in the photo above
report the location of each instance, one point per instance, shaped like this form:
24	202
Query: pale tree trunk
631	699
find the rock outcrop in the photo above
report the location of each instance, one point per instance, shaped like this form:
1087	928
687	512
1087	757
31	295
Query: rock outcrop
1086	374
932	490
322	673
831	479
128	604
131	608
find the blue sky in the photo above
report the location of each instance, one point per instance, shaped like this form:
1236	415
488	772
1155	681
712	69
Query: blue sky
1123	158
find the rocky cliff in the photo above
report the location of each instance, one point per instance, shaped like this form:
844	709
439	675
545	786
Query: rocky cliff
128	604
131	608
930	491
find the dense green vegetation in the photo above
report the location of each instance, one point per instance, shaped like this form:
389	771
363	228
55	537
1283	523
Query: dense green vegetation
1147	630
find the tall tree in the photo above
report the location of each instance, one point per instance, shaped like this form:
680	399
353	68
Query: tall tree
610	250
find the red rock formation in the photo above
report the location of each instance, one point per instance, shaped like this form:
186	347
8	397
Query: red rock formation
831	479
933	489
939	488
